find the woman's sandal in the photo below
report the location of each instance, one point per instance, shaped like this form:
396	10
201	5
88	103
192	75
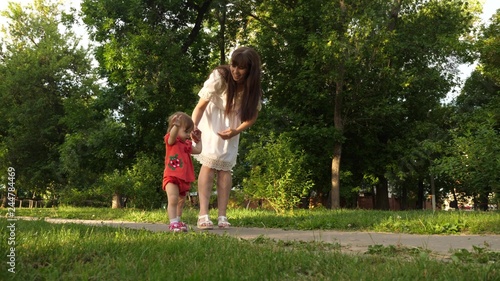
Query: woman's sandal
223	222
204	222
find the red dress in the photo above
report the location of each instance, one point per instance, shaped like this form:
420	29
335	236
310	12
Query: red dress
178	164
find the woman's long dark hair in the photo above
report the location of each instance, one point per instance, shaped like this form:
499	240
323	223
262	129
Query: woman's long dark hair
248	58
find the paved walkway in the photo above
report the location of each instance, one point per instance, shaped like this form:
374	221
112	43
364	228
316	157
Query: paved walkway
350	242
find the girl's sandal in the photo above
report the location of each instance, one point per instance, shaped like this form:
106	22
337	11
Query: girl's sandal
223	222
204	222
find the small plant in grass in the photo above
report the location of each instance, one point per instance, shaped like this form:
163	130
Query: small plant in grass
478	254
390	250
397	251
314	246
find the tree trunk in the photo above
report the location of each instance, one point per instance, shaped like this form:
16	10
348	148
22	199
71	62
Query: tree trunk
420	195
116	203
382	195
404	199
483	201
337	149
433	193
222	32
202	10
335	193
454	204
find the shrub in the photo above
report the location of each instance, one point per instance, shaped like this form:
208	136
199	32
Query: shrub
140	185
278	173
146	176
91	197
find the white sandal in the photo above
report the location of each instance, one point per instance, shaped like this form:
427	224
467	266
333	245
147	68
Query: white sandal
223	222
204	222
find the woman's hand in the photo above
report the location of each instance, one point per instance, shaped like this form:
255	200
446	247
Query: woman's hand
196	135
228	133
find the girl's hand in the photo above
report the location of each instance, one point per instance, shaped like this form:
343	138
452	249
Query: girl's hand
175	121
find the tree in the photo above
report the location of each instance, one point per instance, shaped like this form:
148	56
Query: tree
362	72
45	75
151	57
141	53
472	160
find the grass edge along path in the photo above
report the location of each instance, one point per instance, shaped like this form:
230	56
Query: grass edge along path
412	222
440	246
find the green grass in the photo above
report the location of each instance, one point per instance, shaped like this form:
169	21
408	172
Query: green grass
47	251
416	222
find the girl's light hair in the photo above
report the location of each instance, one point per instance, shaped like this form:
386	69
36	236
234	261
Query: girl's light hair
185	121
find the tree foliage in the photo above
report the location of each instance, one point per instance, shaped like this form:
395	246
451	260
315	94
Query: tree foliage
356	85
472	160
362	75
45	77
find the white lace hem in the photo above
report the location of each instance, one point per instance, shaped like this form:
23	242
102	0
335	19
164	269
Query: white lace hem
215	163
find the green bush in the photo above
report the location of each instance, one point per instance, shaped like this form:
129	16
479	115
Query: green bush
140	185
91	197
146	176
278	173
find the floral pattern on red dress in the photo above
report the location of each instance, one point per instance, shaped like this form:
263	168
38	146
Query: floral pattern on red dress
175	162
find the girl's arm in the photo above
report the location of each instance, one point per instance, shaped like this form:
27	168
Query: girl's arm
196	137
198	148
174	131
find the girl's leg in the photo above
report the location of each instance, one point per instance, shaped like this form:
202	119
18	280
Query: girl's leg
224	185
180	205
205	183
173	200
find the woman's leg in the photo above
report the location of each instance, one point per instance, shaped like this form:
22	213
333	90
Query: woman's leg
224	185
205	184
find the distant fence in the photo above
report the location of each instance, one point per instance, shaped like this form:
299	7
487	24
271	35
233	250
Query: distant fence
47	203
34	203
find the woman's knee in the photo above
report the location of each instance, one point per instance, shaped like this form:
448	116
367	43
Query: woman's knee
206	175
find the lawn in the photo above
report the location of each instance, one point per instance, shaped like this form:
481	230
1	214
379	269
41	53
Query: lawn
46	251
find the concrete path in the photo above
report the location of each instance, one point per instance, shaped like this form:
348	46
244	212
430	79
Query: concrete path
350	242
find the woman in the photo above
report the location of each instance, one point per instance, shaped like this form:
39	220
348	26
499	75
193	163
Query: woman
229	103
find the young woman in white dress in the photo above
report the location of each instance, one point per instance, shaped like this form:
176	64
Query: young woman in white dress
229	103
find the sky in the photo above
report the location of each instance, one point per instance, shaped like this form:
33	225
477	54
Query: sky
67	3
80	31
489	8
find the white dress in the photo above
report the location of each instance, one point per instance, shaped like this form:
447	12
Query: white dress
217	153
